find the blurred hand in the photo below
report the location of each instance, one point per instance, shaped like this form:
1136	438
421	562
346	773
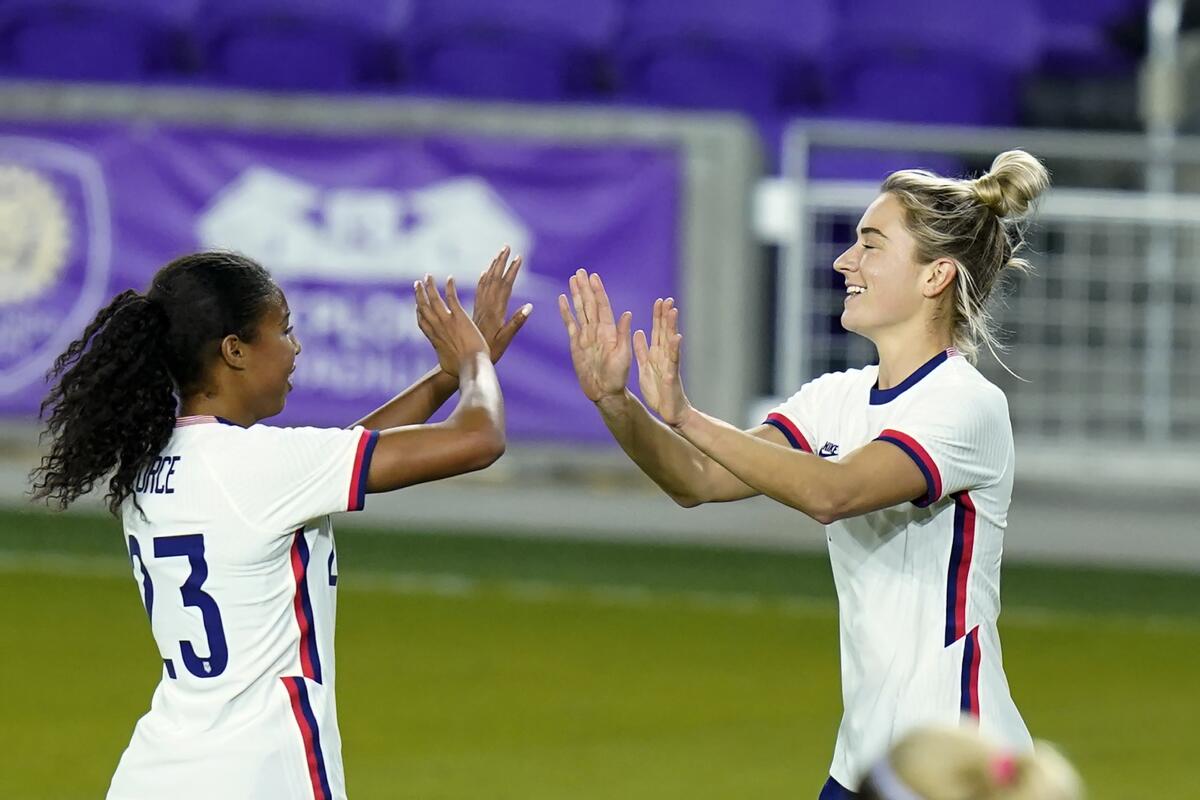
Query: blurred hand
446	325
658	364
599	346
491	304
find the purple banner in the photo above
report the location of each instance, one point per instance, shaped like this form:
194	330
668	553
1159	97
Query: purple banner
345	224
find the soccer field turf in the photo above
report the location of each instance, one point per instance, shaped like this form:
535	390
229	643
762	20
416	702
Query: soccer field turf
481	667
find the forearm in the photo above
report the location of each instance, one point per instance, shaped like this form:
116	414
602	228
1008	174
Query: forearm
679	468
800	480
414	405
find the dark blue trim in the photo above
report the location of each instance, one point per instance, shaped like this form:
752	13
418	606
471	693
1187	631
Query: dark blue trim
881	396
224	421
774	423
364	468
964	701
956	554
314	654
930	485
832	790
306	709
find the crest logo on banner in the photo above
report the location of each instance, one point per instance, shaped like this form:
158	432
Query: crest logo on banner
358	235
55	246
34	234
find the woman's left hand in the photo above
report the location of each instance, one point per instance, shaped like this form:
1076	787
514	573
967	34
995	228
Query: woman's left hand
491	303
658	364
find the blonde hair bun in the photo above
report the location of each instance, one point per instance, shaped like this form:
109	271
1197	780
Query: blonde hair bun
1015	180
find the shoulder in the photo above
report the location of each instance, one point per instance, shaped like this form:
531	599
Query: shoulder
961	396
266	440
970	388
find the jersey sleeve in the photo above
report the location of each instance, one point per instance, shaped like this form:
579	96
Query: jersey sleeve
958	445
283	477
796	418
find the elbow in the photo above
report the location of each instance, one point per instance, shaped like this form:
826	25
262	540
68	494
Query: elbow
487	448
485	439
824	517
830	503
831	508
686	500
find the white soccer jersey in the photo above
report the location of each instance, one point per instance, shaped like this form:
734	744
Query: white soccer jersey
918	584
236	564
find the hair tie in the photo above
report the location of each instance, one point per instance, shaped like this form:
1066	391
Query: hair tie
1004	770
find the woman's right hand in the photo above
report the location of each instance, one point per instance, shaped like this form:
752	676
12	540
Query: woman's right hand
447	326
600	349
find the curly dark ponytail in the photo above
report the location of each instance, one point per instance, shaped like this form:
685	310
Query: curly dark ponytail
116	388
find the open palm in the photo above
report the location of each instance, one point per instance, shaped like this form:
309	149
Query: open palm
600	348
658	364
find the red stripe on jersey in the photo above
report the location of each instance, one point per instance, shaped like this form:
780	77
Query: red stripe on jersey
797	438
357	478
916	451
303	620
308	732
965	532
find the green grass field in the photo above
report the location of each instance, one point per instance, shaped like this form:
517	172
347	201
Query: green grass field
485	667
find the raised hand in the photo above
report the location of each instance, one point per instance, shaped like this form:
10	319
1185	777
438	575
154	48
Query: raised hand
658	364
491	303
599	346
447	326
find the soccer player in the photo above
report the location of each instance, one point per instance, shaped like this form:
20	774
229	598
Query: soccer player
227	521
909	463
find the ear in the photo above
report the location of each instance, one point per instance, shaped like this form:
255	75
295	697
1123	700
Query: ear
233	352
939	276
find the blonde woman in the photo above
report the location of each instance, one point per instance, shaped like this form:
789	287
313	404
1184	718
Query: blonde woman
942	763
909	463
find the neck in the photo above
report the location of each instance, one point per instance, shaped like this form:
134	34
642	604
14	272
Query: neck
901	355
203	404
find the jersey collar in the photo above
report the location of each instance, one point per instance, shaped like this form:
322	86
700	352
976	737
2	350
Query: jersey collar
881	396
202	419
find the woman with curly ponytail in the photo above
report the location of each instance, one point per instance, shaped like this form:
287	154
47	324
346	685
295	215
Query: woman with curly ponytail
226	520
113	408
908	463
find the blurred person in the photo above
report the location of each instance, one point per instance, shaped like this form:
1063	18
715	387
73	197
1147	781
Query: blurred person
939	763
227	521
909	463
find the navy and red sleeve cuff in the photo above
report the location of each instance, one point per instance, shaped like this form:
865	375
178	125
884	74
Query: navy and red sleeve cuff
789	430
362	465
933	478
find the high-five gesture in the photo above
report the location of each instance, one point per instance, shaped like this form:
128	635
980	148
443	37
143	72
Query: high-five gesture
658	364
446	324
491	303
599	345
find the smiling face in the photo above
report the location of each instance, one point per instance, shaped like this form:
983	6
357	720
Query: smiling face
886	289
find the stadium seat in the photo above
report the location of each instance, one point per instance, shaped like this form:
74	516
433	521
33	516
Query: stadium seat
516	49
757	56
1078	38
322	45
939	61
123	40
